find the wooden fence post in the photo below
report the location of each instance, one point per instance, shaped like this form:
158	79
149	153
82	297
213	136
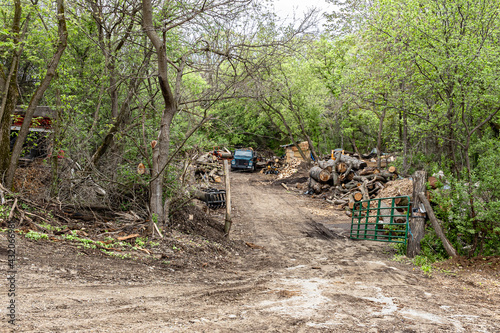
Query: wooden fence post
227	224
417	224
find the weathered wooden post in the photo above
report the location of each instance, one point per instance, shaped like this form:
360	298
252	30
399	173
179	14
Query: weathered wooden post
417	223
227	224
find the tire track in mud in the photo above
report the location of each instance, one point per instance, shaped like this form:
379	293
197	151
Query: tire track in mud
273	220
336	283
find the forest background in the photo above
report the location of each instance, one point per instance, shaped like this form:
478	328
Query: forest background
153	82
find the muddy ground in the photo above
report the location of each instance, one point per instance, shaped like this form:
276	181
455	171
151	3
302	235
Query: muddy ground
298	272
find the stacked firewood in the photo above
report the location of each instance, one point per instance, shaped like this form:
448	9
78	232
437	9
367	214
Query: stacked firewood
280	167
208	169
289	168
345	180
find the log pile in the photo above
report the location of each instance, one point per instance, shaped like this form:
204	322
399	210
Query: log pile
208	169
280	167
345	180
289	168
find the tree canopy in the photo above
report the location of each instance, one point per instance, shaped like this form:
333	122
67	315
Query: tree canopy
148	81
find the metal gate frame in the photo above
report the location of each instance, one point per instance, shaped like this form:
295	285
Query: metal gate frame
363	216
215	199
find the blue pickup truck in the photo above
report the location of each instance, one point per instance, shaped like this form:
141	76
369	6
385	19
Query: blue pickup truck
244	159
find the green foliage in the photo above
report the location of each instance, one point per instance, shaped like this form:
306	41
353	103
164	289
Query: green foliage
400	248
33	235
117	255
470	210
432	247
420	75
424	263
140	241
4	212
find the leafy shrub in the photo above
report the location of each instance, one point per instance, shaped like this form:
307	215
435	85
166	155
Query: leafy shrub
470	208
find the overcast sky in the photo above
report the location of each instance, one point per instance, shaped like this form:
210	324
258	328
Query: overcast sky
286	8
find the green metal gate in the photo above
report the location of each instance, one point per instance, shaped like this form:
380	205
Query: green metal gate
381	219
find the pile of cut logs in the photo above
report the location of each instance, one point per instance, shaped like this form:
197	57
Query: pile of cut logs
345	180
208	169
280	167
289	168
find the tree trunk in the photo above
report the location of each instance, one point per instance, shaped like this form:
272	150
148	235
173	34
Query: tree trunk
108	139
10	91
417	224
405	141
9	101
354	146
37	96
289	131
296	112
110	49
335	178
56	139
379	137
160	150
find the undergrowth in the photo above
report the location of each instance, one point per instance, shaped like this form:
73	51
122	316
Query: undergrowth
431	253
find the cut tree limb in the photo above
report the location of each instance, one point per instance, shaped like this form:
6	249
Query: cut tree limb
364	190
368	171
320	175
329	164
128	237
335	178
349	168
314	185
356	163
11	214
372	178
352	184
341	167
388	175
437	227
157	230
337	202
376	188
352	200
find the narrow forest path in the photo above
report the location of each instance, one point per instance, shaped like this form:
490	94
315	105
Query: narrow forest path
297	278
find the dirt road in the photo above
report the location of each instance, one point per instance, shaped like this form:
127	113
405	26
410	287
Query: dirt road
298	277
